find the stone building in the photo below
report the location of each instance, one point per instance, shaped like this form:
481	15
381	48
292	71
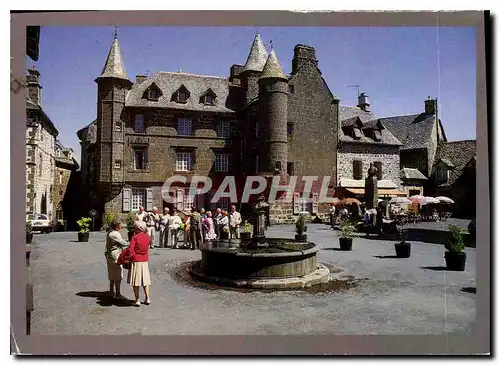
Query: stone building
41	137
420	135
363	139
65	166
258	121
454	175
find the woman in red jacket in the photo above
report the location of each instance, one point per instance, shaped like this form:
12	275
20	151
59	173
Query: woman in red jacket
138	275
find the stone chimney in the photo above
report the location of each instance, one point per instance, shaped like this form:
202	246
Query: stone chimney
430	106
364	102
33	85
139	79
302	54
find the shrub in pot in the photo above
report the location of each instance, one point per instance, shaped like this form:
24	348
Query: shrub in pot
130	225
454	256
29	232
403	248
246	231
301	228
107	219
84	225
347	233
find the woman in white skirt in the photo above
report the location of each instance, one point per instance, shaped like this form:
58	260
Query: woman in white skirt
114	246
138	275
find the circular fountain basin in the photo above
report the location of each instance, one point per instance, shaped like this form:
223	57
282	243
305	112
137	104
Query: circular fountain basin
283	264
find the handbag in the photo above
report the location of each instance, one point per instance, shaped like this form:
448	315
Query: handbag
125	259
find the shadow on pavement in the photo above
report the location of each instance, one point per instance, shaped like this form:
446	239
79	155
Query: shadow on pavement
386	257
333	249
468	289
435	268
104	299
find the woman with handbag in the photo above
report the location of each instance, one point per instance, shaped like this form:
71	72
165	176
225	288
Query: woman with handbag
138	275
114	246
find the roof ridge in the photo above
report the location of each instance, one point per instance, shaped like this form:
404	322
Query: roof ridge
188	74
462	140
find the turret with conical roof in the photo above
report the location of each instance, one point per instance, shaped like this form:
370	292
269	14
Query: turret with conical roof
273	113
112	86
253	67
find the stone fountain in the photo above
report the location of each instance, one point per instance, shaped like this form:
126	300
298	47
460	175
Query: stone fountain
262	263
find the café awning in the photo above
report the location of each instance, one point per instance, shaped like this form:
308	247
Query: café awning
381	192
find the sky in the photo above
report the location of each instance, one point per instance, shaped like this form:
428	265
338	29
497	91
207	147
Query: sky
397	67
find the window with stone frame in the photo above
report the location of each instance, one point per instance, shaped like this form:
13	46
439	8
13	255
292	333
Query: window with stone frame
138	199
182	96
223	129
139	158
118	164
118	126
290	168
184	127
222	162
377	135
357	170
184	161
40	159
378	165
139	123
289	129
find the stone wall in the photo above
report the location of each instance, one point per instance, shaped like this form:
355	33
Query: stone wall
350	152
61	180
40	165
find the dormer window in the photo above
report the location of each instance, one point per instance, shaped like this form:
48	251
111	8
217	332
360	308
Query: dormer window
181	95
153	92
208	97
356	133
377	136
209	100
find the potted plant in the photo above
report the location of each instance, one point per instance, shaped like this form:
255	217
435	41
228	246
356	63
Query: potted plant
347	229
454	256
246	232
300	228
130	225
84	225
403	248
107	219
29	232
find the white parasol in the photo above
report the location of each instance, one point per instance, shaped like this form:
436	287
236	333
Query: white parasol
400	200
444	199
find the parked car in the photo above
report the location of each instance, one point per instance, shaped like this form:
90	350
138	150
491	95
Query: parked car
40	223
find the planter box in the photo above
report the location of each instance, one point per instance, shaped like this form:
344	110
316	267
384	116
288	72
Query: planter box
83	237
345	244
403	250
455	261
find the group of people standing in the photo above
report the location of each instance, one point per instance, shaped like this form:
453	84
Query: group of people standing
198	225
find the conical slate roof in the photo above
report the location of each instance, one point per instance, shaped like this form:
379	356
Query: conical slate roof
257	56
114	66
272	68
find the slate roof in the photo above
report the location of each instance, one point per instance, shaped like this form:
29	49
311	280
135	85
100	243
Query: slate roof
87	133
257	57
414	131
351	115
460	153
348	112
44	118
411	174
170	82
114	66
272	68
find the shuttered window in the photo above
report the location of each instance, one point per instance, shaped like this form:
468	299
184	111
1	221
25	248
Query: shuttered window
378	165
149	199
126	199
357	170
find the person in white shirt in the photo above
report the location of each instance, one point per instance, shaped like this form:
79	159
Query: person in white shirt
164	221
234	223
174	223
140	216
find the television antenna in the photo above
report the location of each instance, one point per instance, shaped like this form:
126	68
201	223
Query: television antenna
356	86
